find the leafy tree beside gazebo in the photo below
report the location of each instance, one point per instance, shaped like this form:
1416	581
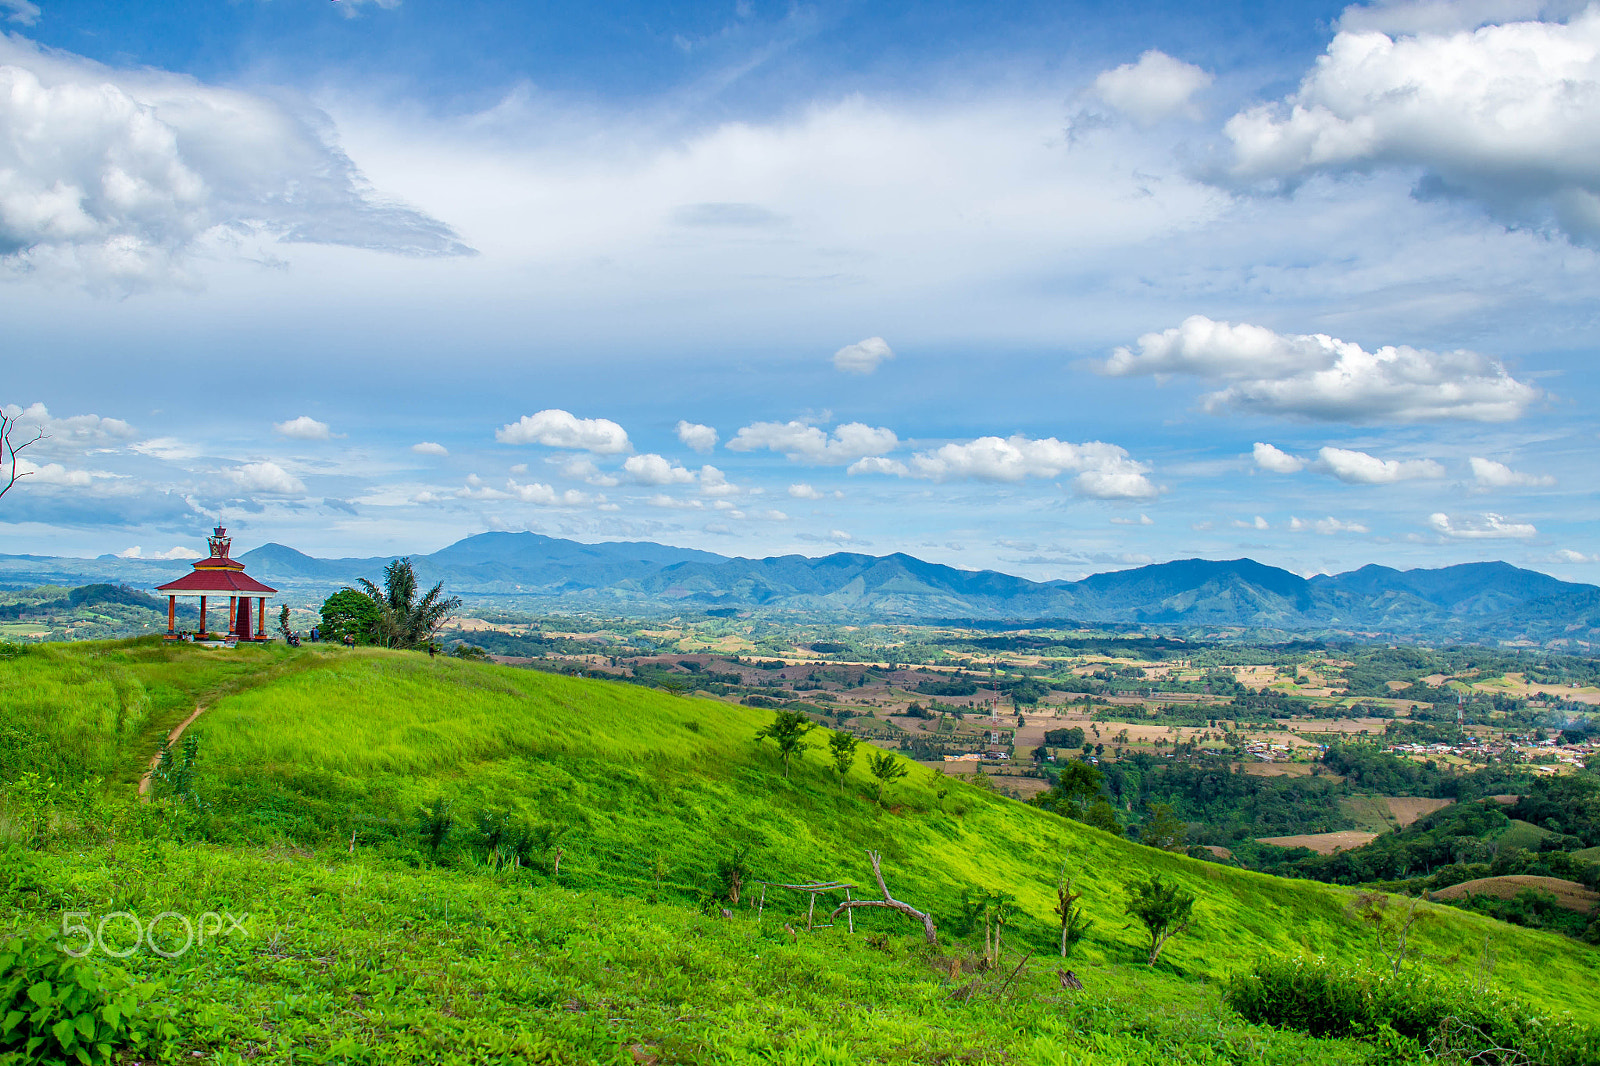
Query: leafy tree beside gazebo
348	613
391	616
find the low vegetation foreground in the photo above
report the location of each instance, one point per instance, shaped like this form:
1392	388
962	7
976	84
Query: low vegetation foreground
381	856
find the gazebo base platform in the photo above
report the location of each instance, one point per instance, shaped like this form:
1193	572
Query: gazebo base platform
217	639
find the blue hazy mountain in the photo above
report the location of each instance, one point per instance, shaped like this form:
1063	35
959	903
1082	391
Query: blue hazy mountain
1491	601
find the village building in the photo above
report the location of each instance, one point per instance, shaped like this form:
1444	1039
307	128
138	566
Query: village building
214	577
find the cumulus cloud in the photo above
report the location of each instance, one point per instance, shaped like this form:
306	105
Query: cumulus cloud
661	499
1156	87
877	464
1567	555
1276	460
546	496
1104	471
580	467
696	436
714	482
652	469
1360	468
804	443
1487	526
1315	376
118	176
863	357
303	428
266	477
556	428
1142	520
1508	115
1326	526
1492	475
52	474
177	552
69	435
803	491
428	447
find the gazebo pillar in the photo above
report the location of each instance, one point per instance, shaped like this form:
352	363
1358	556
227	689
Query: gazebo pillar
261	617
233	616
202	615
172	615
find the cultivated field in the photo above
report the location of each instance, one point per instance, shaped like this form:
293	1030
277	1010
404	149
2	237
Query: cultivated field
1567	893
1323	843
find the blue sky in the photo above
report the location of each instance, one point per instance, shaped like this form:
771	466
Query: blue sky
1046	288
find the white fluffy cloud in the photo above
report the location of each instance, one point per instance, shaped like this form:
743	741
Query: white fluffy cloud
1567	555
1315	376
1326	526
1104	471
1492	475
117	176
556	428
429	447
580	467
1360	468
303	428
696	436
177	552
1156	87
70	435
863	357
52	474
1487	526
714	482
803	491
804	443
545	496
1507	114
652	469
266	477
1276	460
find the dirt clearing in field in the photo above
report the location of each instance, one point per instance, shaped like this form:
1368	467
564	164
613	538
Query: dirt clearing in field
1323	843
1407	809
1568	894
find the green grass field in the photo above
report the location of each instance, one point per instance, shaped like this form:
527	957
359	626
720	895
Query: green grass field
362	947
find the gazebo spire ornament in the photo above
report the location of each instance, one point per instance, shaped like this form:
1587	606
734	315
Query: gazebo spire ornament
220	543
218	575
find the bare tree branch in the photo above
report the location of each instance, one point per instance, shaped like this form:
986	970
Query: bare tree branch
889	901
9	449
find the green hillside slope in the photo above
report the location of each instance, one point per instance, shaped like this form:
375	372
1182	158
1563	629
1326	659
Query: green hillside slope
313	766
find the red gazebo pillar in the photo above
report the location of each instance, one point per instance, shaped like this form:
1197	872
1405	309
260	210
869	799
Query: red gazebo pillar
172	615
261	617
233	616
202	615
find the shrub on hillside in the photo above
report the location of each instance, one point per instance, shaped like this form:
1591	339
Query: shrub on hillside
57	1008
1326	1000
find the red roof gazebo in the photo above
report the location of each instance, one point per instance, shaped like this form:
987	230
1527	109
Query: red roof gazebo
219	576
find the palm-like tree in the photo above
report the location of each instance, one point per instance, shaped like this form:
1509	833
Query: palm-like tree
403	620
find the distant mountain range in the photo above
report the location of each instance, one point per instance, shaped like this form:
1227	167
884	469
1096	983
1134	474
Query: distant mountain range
1479	602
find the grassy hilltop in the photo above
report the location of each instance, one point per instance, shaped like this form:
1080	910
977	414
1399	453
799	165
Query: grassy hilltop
366	944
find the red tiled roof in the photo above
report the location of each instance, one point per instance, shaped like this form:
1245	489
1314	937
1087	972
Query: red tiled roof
229	581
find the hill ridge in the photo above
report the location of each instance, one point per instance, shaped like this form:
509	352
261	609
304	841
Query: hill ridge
1479	601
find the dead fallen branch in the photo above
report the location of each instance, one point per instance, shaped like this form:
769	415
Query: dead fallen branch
931	933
